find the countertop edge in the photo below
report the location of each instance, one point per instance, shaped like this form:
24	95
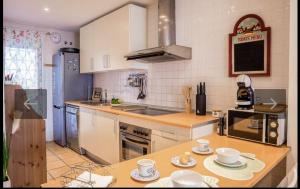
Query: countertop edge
148	118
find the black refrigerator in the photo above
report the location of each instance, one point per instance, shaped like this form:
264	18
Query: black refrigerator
68	84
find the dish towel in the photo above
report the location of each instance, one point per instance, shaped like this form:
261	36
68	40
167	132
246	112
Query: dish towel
98	180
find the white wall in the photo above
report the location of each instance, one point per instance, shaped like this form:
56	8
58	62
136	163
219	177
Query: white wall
49	48
293	83
204	25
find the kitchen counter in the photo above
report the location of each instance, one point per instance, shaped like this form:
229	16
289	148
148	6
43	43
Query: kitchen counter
182	119
272	156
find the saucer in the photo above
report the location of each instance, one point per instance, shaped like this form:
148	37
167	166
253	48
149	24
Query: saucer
167	182
240	163
175	161
196	150
136	176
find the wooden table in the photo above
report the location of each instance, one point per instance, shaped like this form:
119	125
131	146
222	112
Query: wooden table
273	157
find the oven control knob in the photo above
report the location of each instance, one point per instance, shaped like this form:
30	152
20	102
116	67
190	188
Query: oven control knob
273	124
134	131
273	134
146	134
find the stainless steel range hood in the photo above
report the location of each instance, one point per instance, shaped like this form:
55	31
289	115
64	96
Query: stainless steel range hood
167	49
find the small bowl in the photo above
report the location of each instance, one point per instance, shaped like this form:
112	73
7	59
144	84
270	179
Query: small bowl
186	178
227	155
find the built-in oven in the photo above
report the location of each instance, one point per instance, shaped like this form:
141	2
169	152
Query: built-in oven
269	128
134	141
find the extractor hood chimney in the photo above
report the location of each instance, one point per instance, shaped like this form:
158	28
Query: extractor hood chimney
167	49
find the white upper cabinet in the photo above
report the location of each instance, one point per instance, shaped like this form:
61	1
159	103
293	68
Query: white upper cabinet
105	41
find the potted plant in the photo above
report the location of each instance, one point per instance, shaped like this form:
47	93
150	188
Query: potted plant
6	180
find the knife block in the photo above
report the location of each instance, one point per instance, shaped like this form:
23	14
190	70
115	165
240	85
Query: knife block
200	104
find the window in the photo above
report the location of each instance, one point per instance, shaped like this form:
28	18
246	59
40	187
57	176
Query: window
23	64
22	57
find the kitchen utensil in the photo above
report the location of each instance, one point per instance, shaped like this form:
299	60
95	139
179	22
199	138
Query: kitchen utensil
136	176
239	163
186	178
210	181
196	150
248	155
227	155
175	161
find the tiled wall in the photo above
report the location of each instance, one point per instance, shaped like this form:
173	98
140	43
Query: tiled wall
204	26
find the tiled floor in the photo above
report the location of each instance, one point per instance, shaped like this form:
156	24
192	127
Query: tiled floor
59	160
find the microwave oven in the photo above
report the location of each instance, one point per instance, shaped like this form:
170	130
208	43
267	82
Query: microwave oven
268	128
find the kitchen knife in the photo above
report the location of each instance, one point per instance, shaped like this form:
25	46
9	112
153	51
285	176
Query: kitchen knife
203	88
198	89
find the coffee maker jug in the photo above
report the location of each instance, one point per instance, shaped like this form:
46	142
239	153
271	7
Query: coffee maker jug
245	94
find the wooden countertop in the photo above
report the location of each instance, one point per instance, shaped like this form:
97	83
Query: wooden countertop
270	155
183	119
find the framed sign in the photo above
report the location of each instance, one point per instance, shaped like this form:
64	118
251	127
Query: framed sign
249	47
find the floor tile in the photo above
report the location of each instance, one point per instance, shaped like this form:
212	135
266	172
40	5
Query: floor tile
55	164
73	160
68	155
59	171
52	158
49	177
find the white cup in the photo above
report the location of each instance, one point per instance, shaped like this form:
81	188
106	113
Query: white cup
146	167
203	145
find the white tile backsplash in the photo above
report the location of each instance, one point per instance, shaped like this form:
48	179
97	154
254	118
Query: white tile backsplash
205	25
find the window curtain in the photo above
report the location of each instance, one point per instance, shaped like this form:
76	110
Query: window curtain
23	56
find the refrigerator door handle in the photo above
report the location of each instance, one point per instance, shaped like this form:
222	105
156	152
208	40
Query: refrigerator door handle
58	107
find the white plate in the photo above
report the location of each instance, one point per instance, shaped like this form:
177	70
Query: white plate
136	176
175	161
167	182
240	163
195	149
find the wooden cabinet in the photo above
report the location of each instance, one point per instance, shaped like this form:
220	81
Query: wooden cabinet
99	134
27	165
105	41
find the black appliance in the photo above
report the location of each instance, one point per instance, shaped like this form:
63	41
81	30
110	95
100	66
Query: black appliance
245	93
263	127
134	141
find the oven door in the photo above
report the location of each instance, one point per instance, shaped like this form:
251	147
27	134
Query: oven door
246	125
132	146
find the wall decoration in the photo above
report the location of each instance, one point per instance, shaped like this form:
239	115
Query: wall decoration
249	47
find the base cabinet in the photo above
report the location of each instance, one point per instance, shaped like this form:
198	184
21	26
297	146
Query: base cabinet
97	130
161	140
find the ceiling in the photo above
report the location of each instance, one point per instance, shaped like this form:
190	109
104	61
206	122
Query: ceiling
67	15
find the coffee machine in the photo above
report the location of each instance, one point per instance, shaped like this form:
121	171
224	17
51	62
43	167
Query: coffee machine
245	94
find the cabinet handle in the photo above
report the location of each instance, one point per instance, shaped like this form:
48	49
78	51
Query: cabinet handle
104	61
108	61
92	63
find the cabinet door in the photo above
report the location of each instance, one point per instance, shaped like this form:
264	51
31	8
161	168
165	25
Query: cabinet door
101	43
161	142
86	133
87	49
107	137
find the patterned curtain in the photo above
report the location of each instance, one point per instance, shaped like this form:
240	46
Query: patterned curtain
23	57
